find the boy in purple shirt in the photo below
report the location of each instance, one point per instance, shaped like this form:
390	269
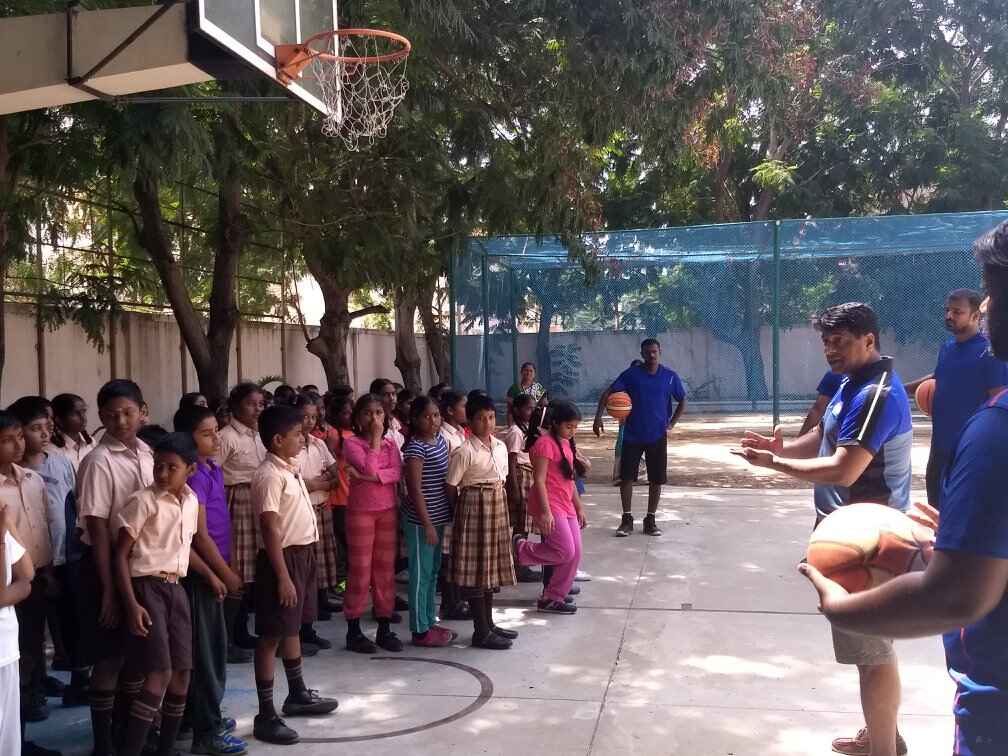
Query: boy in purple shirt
211	544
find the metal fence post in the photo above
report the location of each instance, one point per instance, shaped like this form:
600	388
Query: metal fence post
776	322
485	291
514	325
452	335
40	339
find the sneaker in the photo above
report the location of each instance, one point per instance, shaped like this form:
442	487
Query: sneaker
432	639
625	527
238	655
574	591
53	687
316	640
582	577
308	703
307	649
527	575
219	745
555	607
491	641
389	641
453	636
273	730
516	541
650	526
860	744
360	644
228	725
185	733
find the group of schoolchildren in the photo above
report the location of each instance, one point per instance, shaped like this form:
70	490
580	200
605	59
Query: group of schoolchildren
141	552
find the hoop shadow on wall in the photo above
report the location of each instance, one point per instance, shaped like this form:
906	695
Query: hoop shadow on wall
485	694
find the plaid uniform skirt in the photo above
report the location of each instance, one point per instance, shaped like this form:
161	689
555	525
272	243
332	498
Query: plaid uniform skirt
243	531
326	555
518	494
481	539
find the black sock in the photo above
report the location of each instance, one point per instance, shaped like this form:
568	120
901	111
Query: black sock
307	629
171	720
353	628
479	616
547	574
295	675
102	709
383	627
142	713
264	689
488	608
130	685
79	678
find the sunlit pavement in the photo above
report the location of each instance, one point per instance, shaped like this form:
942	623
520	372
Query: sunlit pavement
704	641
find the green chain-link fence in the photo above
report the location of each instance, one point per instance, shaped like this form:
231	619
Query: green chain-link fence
731	304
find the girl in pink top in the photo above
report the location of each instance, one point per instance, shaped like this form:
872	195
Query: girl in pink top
555	506
375	467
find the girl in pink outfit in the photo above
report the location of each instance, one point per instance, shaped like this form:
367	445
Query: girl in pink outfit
374	467
555	506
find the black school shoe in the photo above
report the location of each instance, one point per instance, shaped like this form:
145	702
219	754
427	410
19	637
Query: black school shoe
625	527
650	526
273	730
316	640
307	703
491	641
504	633
360	644
389	641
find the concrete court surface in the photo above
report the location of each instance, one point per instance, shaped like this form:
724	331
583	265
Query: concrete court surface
704	642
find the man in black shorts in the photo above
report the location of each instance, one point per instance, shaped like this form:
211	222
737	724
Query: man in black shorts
652	388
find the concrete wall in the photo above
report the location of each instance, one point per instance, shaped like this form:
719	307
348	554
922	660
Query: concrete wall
149	351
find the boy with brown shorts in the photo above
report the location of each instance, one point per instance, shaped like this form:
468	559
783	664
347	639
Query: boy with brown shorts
285	578
154	531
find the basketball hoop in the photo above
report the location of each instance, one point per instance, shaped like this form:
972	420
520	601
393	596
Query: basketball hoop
362	75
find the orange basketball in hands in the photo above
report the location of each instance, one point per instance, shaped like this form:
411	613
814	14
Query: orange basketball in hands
861	546
925	396
619	405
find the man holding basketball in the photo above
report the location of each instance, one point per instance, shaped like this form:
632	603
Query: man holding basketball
963	593
967	374
860	452
652	388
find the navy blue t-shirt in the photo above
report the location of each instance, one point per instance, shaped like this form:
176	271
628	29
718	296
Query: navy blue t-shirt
974	520
652	397
871	410
830	384
964	377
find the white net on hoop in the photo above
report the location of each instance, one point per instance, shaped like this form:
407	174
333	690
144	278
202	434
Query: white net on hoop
361	97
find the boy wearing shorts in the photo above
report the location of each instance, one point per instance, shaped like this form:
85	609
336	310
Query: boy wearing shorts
285	576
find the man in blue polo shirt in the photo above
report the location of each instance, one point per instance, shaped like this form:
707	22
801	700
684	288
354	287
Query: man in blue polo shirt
652	388
963	593
859	453
966	376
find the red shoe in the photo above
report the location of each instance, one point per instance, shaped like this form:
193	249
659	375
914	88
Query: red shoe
453	636
432	639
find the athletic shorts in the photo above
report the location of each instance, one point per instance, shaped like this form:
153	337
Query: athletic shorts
655	460
863	650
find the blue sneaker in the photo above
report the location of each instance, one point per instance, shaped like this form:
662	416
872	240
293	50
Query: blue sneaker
220	745
228	725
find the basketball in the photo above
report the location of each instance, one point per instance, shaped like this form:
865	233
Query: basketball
861	546
925	396
619	405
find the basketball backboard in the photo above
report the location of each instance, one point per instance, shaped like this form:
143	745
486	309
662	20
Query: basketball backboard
251	29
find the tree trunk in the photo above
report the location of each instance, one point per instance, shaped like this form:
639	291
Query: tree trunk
544	372
437	340
752	360
407	357
6	186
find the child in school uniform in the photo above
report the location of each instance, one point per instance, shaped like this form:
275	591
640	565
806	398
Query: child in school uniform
58	475
519	481
372	525
340	429
453	428
23	496
16	574
285	588
119	466
153	535
212	543
556	506
426	511
481	534
70	437
316	465
241	454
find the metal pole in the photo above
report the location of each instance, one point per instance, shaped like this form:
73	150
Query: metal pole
238	330
110	238
485	287
514	325
776	322
39	325
451	310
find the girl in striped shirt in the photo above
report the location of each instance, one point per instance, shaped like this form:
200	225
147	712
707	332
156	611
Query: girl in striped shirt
426	511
